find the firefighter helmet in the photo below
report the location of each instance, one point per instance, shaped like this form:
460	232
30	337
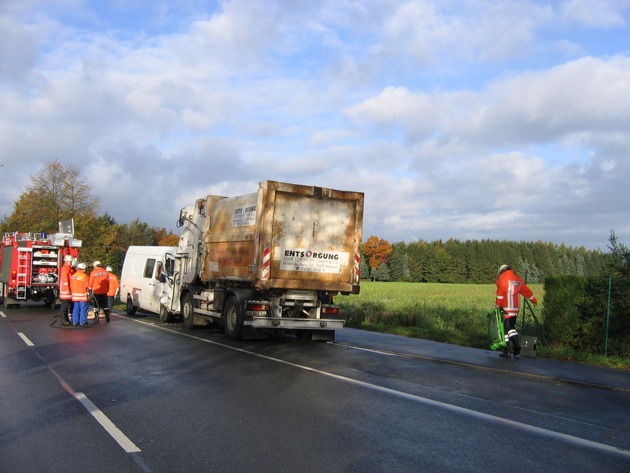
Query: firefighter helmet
504	267
81	266
68	258
97	264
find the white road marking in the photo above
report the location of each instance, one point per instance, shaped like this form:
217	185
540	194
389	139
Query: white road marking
2	314
127	445
423	400
122	440
25	339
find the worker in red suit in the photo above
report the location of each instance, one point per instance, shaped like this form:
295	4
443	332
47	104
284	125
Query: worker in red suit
65	294
99	284
509	288
114	288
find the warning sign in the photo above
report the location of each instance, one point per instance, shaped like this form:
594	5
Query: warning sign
313	261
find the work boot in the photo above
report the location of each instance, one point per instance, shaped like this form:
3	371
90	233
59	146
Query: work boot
505	353
516	346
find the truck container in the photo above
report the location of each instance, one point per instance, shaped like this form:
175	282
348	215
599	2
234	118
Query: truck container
268	261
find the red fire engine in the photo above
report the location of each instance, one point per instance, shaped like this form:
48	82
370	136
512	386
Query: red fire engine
30	264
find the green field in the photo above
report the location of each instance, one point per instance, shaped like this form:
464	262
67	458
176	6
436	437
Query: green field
452	313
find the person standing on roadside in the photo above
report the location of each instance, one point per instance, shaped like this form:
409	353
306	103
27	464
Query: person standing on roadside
113	288
65	294
99	284
509	288
80	296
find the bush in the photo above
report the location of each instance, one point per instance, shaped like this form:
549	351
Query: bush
576	313
562	313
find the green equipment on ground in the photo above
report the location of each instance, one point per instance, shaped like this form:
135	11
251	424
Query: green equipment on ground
496	330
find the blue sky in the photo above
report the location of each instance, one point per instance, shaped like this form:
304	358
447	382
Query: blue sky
505	120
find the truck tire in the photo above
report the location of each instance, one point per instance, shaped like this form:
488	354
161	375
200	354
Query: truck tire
233	319
188	315
130	308
165	316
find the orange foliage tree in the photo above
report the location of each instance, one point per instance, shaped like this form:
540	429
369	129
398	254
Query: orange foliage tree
376	251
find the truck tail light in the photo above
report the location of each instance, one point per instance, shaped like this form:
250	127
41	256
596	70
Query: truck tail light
256	309
330	310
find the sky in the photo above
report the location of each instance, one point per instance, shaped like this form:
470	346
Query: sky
463	119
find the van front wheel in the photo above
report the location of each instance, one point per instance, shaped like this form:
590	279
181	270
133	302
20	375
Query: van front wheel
165	316
130	308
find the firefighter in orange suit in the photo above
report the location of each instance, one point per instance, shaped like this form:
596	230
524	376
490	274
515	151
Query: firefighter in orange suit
80	297
65	294
114	287
509	288
99	284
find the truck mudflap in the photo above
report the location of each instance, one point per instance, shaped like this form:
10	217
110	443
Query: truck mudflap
295	324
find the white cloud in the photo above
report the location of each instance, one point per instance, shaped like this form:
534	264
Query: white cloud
603	13
460	119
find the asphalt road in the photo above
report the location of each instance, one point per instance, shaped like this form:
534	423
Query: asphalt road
138	396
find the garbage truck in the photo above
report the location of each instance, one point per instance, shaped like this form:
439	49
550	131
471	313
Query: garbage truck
269	261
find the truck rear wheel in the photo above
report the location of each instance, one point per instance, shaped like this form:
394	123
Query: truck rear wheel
188	314
233	319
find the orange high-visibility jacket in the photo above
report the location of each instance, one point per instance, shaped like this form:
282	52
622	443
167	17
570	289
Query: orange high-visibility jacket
113	285
99	281
65	294
509	286
79	286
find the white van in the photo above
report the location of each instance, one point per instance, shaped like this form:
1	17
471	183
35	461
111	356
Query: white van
145	279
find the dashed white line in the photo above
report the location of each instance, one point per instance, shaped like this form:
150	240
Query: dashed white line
99	415
122	440
26	339
127	445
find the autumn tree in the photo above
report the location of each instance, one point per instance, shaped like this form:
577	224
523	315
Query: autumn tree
164	238
58	192
98	235
376	251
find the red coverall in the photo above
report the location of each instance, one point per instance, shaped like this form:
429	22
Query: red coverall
509	287
65	294
99	284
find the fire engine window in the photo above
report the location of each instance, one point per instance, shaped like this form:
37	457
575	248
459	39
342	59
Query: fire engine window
148	267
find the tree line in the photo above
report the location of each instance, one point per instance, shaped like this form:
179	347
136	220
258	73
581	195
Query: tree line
58	192
475	261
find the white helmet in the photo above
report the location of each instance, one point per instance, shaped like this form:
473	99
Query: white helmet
109	268
504	267
96	263
81	266
68	258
